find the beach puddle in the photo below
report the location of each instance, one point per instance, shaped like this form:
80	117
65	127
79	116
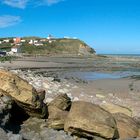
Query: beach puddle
90	76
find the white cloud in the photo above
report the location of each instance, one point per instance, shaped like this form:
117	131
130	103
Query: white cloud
23	3
8	20
51	2
16	3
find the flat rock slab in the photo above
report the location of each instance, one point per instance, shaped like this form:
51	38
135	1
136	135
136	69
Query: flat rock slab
89	120
113	108
127	127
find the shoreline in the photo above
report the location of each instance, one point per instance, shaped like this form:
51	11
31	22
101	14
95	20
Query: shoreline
119	92
115	89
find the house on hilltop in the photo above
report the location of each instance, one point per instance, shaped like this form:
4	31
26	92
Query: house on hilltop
17	40
15	49
6	41
50	37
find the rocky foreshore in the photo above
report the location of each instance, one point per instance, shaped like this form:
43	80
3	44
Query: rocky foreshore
35	106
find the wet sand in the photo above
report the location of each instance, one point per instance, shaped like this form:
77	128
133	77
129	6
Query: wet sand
121	91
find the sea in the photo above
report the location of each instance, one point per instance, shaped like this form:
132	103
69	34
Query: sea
122	55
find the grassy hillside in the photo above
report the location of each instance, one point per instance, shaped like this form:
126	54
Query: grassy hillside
59	46
56	46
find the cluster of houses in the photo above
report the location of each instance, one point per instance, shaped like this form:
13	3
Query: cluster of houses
17	42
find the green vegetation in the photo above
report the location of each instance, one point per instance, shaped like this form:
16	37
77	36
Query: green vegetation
4	46
53	46
6	58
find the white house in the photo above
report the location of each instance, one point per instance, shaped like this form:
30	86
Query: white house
14	39
6	40
35	41
43	40
31	42
15	49
50	37
22	40
0	42
38	44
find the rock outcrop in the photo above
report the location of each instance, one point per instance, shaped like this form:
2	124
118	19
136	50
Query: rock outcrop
62	101
56	118
57	110
127	127
22	93
89	120
113	108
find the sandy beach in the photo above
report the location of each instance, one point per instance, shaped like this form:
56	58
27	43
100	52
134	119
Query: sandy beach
104	81
123	90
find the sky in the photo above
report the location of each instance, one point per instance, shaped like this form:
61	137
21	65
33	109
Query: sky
108	26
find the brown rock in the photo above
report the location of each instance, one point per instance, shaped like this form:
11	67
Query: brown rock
89	120
62	101
127	127
113	108
56	117
22	93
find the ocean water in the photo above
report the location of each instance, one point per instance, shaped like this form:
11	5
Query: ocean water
122	55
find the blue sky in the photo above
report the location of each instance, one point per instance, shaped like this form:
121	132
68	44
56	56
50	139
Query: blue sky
109	26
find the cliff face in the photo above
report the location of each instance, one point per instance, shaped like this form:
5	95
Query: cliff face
73	46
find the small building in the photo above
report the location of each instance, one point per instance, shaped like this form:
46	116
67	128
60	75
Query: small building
0	42
23	40
31	42
15	49
38	44
6	40
35	41
43	40
50	37
17	40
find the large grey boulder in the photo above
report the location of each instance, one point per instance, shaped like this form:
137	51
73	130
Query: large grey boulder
3	135
36	129
6	104
89	120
